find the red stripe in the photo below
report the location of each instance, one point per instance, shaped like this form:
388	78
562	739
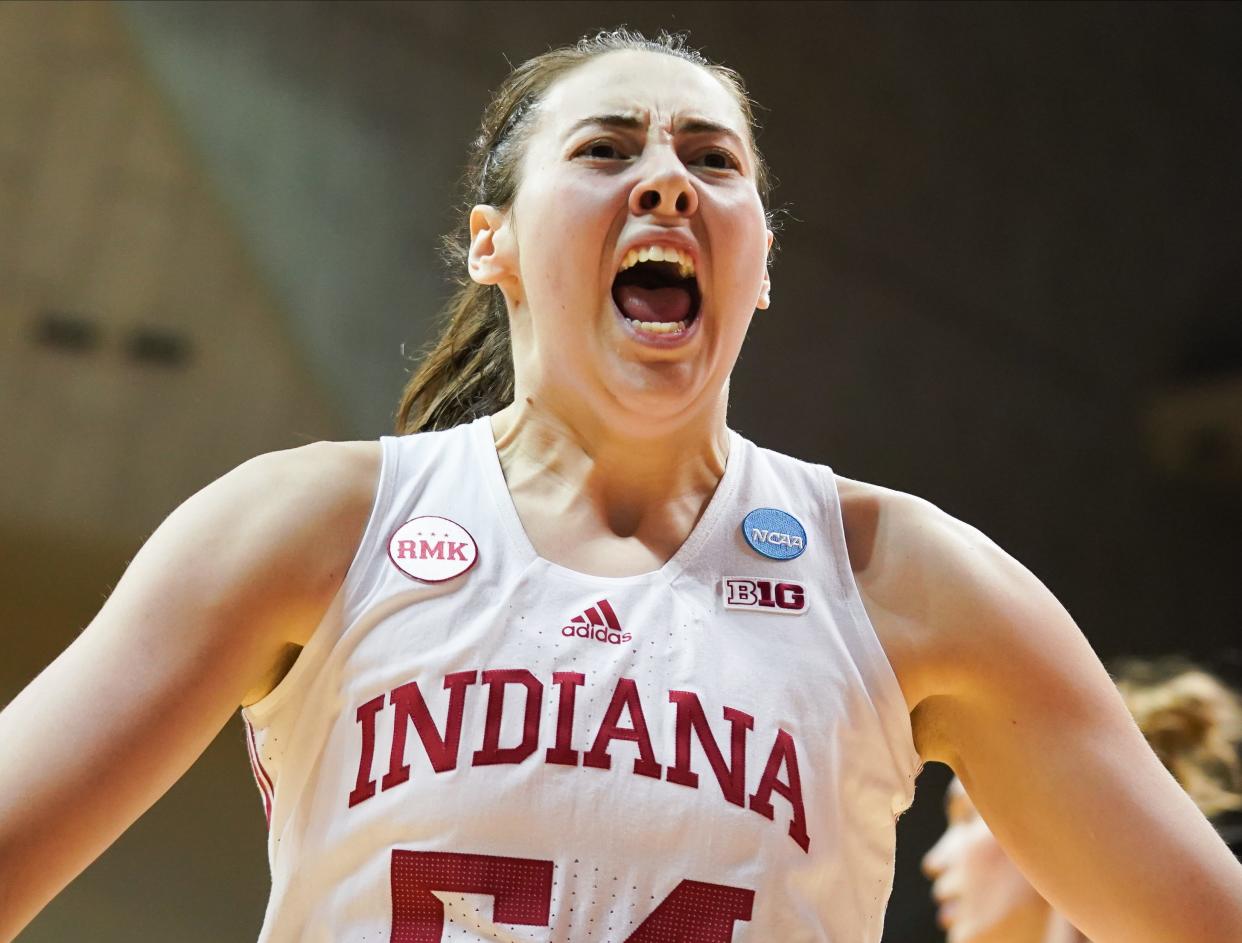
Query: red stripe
606	609
260	774
593	617
258	781
255	746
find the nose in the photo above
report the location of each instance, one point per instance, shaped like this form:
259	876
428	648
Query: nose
933	861
665	190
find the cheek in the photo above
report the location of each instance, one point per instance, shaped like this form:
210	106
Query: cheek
992	886
740	236
564	224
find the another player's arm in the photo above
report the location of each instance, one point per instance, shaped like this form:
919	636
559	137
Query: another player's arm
1009	694
195	626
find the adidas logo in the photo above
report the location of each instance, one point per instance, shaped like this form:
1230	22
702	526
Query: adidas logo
598	622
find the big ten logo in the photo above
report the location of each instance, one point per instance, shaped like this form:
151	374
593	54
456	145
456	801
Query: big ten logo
752	592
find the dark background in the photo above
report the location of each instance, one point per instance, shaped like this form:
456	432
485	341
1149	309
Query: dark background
1010	281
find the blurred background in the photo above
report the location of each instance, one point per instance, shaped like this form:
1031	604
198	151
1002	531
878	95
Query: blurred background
1010	282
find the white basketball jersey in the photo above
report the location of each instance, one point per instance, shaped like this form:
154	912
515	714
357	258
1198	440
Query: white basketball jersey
479	744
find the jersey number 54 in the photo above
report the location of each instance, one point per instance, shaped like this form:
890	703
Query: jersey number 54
694	912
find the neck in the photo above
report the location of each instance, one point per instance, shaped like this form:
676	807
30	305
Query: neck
637	498
621	475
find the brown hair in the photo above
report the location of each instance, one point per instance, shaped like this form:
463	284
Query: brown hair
469	371
1193	723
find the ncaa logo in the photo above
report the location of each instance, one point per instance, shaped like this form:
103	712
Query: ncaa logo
774	534
432	549
752	592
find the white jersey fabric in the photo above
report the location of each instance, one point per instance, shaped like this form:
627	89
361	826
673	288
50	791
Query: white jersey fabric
529	753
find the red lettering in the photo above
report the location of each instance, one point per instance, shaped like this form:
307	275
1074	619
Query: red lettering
703	913
491	752
407	548
365	787
784	753
790	596
731	777
561	752
742	592
623	719
522	888
695	912
431	551
455	551
765	594
441	750
624	698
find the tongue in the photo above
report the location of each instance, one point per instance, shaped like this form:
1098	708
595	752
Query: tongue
653	304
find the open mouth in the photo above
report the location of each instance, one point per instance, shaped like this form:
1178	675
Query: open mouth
656	291
945	914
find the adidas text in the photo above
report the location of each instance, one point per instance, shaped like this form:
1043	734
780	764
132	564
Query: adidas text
598	633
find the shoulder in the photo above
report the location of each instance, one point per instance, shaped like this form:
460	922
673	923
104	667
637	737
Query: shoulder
339	472
894	538
321	484
280	528
950	606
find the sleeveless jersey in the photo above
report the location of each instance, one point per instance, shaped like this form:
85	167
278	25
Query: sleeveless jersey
714	751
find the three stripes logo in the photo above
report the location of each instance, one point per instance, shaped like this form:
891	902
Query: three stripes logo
598	622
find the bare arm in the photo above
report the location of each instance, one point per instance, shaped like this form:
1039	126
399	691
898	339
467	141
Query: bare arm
232	577
1007	692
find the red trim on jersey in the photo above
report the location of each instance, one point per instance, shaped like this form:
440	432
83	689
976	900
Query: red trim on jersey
261	779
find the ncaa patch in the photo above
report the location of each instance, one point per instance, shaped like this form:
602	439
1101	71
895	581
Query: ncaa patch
774	534
786	597
432	549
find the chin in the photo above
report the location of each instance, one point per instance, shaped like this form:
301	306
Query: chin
664	397
650	417
639	423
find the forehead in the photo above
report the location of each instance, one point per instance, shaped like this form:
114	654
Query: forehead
649	85
956	802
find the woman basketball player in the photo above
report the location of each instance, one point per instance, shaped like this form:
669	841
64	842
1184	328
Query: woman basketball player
1193	722
576	662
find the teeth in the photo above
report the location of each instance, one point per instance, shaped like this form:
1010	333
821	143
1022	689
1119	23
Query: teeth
685	265
659	327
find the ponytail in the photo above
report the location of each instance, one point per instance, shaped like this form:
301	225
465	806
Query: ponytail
469	371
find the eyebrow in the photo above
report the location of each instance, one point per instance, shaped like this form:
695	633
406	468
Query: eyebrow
623	122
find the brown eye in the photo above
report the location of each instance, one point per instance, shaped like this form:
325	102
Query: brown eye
719	160
601	150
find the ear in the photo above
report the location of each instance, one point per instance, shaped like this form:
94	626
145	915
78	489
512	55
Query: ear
488	262
765	292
